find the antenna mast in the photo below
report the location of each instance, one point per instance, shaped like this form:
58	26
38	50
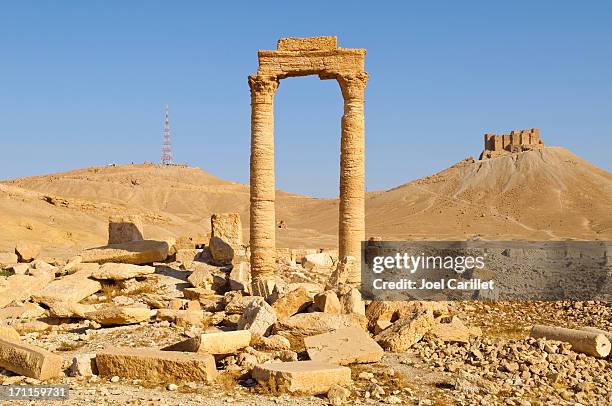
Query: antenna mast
166	157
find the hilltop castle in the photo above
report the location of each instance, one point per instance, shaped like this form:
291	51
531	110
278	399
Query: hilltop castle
512	142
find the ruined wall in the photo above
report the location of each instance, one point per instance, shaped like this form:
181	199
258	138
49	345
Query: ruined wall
513	142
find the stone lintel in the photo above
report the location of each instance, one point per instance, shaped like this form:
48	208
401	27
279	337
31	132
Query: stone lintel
325	63
307	44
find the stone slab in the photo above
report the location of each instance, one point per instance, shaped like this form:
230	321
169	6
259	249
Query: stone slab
70	288
221	343
305	377
121	272
115	316
345	346
29	360
134	252
156	365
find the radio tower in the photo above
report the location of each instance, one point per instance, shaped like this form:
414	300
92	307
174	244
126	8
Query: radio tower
166	157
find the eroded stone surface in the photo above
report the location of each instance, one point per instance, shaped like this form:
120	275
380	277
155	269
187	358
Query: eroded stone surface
134	252
221	343
344	346
120	272
125	229
306	377
156	365
28	360
116	315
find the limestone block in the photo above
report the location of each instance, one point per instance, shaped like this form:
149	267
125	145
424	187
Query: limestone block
237	304
453	330
188	256
83	365
301	325
201	278
274	343
381	313
405	332
120	272
342	273
70	288
18	269
8	258
258	318
338	395
307	44
291	303
125	229
134	252
29	360
182	318
21	287
352	302
319	260
344	346
69	309
328	302
8	333
198	293
305	377
221	343
26	251
156	365
227	227
240	277
116	315
27	311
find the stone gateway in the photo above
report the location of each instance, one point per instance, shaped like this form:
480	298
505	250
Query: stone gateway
300	57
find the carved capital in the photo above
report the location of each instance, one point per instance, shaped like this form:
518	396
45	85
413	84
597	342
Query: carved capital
262	87
353	86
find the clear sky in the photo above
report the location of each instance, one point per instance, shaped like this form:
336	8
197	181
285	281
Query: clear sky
84	83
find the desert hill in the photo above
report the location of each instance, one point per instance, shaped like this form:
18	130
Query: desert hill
543	194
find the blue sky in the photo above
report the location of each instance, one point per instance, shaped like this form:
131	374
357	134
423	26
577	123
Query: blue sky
85	83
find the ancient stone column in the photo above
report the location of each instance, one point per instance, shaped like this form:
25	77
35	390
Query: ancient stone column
262	233
352	171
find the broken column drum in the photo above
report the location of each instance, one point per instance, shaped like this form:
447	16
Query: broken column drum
300	57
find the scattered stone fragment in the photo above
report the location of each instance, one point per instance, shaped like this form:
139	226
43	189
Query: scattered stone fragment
125	228
381	314
343	273
26	251
301	325
328	302
453	330
83	365
198	293
182	318
120	272
405	332
70	288
345	346
291	303
188	256
134	252
338	395
8	258
352	302
240	276
27	311
201	278
587	342
306	377
235	303
274	342
226	342
18	269
21	287
9	333
258	318
116	315
156	365
319	260
28	360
